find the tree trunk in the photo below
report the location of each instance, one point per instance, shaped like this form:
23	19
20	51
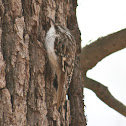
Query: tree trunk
27	93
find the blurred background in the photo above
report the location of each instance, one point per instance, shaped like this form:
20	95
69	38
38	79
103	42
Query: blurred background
97	18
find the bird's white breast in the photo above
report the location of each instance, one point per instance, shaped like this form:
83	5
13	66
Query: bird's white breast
49	44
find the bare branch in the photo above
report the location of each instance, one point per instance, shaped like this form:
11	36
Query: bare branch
96	51
103	93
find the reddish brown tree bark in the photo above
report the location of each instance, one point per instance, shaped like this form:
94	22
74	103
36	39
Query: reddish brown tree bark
27	93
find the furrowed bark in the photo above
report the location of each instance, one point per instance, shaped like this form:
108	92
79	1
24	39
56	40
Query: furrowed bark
27	93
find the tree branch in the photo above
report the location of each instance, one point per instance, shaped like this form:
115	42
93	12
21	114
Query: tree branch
103	93
96	51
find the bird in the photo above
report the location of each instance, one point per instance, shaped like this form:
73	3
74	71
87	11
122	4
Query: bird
60	45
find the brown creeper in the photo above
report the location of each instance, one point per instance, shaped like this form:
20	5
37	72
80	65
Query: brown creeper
61	49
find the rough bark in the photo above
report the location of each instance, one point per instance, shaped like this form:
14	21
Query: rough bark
95	52
76	88
27	93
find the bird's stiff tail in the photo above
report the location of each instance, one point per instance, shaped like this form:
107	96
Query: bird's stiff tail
60	91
